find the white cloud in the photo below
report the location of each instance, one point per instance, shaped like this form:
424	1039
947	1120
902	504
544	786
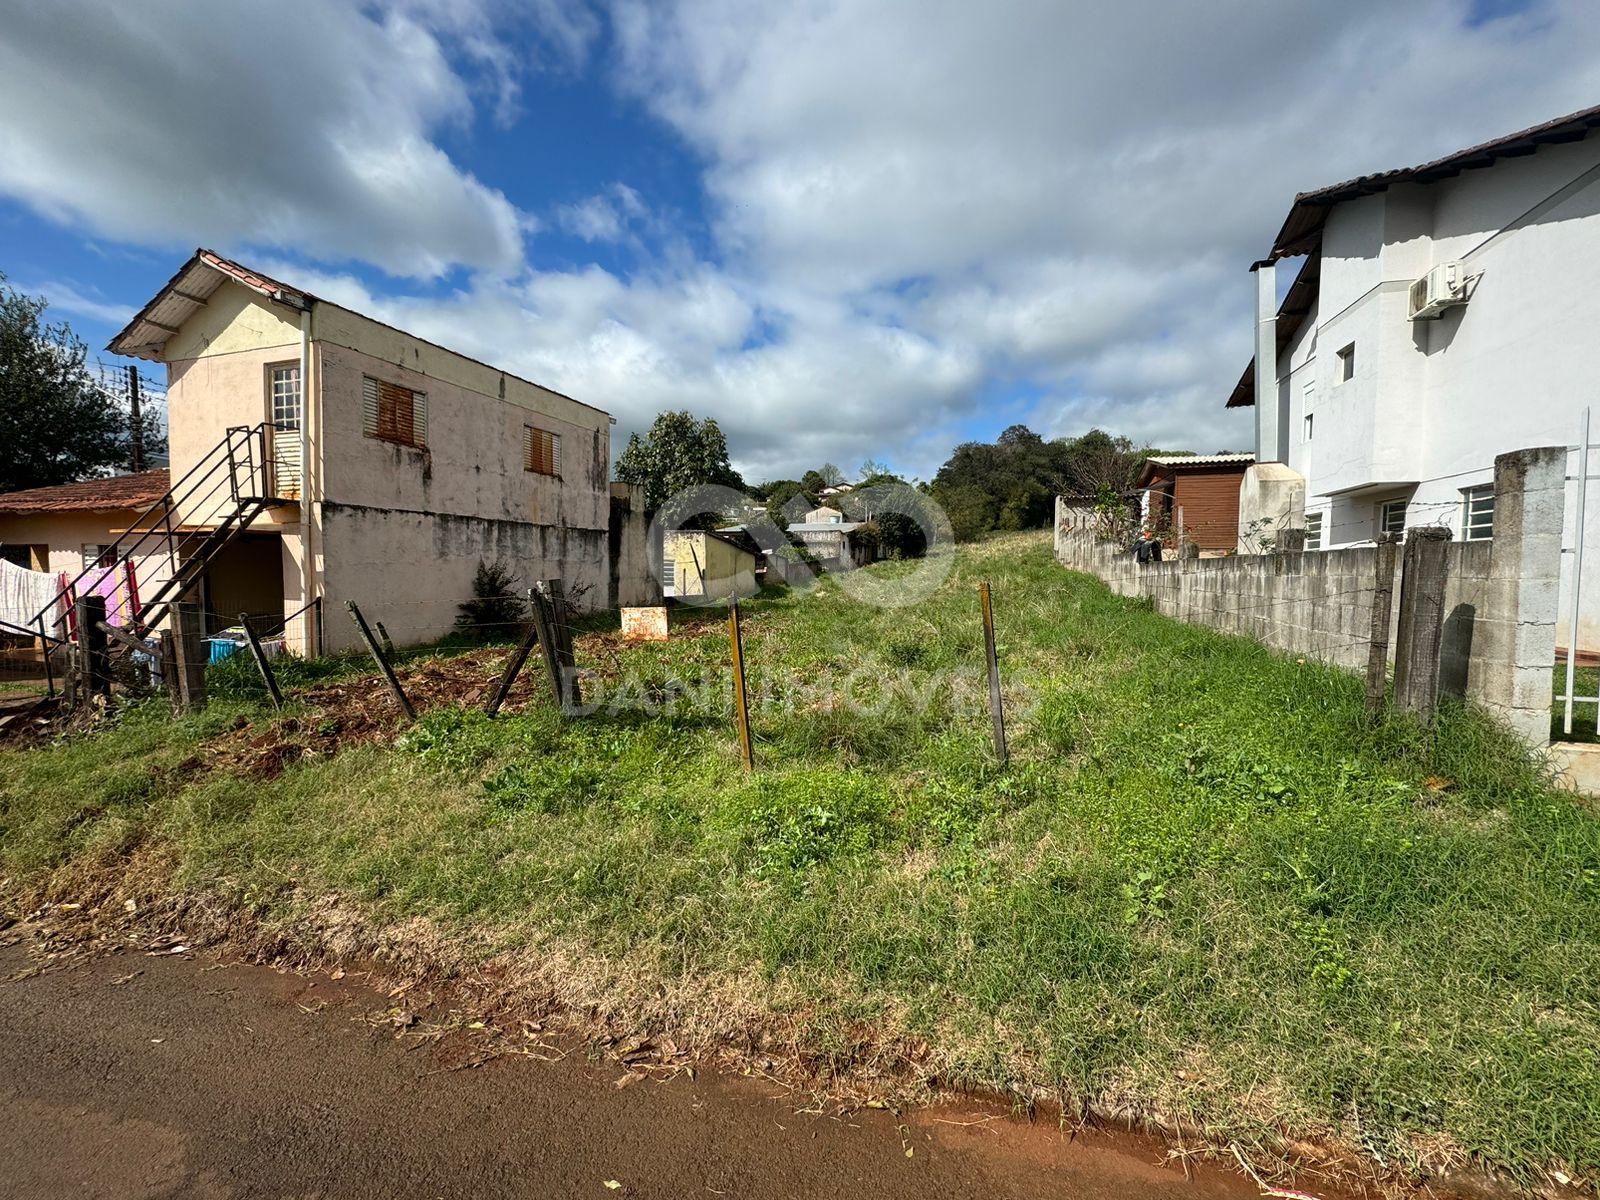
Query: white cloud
1070	194
307	126
916	206
604	217
67	298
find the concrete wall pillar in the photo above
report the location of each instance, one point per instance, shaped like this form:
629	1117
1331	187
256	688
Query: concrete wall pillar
632	582
1416	652
1516	643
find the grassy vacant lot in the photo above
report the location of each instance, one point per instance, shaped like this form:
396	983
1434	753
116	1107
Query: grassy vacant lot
1206	886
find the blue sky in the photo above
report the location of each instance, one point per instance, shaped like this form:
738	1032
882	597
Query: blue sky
844	228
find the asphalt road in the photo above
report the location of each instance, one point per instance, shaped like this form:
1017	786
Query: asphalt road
134	1076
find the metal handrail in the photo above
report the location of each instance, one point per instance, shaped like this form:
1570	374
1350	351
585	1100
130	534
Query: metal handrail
144	528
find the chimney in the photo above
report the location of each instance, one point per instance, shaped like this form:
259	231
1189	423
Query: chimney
1267	432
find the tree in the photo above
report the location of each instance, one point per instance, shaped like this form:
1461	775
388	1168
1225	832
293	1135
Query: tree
872	468
831	475
813	482
58	423
972	511
495	610
1020	475
1098	460
677	454
787	501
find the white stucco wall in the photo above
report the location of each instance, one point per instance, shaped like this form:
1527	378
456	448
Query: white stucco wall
1433	402
403	529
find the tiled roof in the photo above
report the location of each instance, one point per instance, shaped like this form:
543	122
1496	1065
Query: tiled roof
116	493
1302	229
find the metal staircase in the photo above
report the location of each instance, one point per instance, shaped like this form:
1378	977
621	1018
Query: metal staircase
202	513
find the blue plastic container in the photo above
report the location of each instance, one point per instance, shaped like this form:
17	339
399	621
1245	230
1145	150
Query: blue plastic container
221	648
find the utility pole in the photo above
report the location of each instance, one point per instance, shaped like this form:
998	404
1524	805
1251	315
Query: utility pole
135	420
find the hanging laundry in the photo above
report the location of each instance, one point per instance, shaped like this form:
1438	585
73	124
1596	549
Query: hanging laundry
111	583
24	594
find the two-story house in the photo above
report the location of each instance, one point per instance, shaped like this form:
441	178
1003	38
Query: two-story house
1443	314
317	452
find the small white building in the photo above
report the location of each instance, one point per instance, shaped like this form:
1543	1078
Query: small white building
1443	314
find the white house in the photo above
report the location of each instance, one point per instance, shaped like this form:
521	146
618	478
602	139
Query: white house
1443	314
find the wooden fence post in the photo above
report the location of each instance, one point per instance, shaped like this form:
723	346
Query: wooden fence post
544	632
741	702
93	661
383	636
996	710
1382	617
560	650
189	657
514	663
1416	658
262	664
383	663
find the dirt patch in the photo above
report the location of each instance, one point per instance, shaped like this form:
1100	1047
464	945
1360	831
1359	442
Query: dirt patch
362	710
469	1009
165	1071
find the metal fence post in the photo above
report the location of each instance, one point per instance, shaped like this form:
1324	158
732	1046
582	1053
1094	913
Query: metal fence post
1577	570
383	663
514	663
262	664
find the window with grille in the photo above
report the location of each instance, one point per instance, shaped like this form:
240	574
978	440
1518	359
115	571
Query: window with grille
1313	531
285	389
394	413
1392	516
541	451
669	573
1477	512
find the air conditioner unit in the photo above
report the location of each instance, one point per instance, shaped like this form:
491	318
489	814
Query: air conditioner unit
1443	287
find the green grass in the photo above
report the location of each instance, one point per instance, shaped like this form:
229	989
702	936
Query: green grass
1206	885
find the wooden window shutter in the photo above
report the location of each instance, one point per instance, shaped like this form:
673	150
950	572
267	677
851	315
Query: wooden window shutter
393	413
541	451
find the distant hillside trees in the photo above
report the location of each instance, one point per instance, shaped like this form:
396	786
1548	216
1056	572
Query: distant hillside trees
1012	483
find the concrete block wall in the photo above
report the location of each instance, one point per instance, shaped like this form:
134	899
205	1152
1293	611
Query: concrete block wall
1500	595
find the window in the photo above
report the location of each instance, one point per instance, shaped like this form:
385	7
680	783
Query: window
1313	531
1310	425
91	554
1347	364
284	385
669	573
1477	512
394	413
1392	516
541	451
